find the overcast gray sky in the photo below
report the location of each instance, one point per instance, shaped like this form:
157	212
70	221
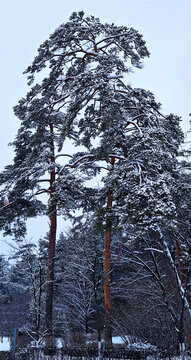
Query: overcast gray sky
165	25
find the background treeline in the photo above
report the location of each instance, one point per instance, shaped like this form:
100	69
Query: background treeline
150	282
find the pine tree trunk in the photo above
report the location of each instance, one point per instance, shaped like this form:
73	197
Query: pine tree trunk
51	255
107	270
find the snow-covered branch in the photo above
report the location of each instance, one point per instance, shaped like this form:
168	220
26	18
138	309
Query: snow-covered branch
84	157
181	289
111	37
132	122
116	156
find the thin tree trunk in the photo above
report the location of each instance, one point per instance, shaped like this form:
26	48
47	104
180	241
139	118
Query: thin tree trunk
97	306
186	310
107	269
39	299
52	244
50	283
183	272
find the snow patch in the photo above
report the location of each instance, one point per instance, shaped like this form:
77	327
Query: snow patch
5	344
117	340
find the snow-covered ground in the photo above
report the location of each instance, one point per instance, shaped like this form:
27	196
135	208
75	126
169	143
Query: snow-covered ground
117	340
183	357
4	344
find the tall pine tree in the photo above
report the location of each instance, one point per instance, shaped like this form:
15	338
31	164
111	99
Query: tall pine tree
84	62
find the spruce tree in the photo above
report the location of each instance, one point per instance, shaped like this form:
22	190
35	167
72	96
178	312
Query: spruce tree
30	270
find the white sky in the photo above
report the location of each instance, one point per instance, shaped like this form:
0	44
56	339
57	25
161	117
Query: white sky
165	25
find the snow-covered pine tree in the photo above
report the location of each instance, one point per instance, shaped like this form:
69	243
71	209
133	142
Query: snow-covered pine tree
5	291
142	146
182	242
14	297
146	174
81	62
30	269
